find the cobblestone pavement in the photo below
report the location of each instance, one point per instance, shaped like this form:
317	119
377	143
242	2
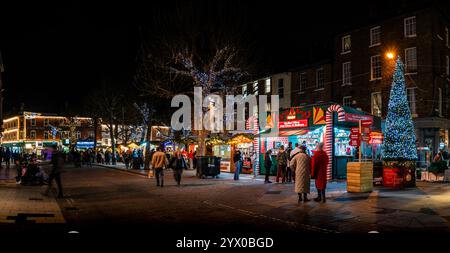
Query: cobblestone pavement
25	204
101	198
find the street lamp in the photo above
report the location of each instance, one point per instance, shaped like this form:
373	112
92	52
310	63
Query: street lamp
390	55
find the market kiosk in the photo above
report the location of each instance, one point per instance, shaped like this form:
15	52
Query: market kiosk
328	123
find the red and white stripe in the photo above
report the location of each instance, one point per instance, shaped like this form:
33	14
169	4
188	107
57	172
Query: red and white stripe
329	134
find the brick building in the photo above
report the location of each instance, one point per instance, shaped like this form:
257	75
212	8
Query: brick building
364	62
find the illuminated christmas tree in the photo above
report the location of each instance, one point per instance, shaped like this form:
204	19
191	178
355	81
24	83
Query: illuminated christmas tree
399	139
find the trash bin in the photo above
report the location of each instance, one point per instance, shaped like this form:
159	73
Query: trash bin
208	166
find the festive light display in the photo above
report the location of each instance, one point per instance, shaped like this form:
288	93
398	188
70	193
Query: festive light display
399	139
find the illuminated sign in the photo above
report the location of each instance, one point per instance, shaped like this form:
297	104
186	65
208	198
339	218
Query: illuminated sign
356	118
293	124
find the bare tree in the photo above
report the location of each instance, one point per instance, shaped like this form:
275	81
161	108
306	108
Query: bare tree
174	62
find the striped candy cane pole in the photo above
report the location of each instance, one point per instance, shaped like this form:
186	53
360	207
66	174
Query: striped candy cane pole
329	134
256	140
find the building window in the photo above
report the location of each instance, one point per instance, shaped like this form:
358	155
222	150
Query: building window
376	103
255	88
320	79
411	94
303	81
375	36
91	134
375	67
32	134
440	102
281	87
78	135
46	122
268	88
45	135
410	60
346	44
33	122
347	101
410	26
244	89
347	73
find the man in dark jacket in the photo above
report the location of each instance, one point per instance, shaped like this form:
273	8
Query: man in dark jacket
237	159
55	173
268	165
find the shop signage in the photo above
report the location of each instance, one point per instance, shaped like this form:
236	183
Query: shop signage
365	126
376	138
356	118
365	138
354	137
354	130
293	124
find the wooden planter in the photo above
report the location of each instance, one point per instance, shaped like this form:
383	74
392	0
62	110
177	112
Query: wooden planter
359	177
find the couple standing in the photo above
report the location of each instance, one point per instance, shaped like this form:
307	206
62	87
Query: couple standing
306	168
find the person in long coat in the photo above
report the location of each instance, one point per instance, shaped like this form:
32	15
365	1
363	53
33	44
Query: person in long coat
302	166
319	171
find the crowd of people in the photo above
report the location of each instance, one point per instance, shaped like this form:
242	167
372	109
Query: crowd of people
296	165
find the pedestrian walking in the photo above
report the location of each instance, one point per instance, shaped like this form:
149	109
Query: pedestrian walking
301	163
159	162
268	165
294	152
57	162
178	164
282	159
191	159
288	167
237	159
7	157
319	171
1	156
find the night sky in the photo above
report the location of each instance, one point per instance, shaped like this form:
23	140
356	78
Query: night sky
55	53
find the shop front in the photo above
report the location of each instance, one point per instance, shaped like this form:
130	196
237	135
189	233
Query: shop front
226	150
331	124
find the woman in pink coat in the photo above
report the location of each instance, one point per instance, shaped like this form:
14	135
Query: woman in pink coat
319	165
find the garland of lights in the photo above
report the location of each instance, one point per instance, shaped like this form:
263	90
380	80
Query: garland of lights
399	138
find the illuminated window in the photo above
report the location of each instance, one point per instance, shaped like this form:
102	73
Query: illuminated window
78	135
32	134
376	104
33	122
346	44
375	36
255	88
244	89
268	88
410	26
410	60
347	73
375	67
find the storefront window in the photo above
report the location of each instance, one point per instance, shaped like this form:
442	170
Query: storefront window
342	143
223	151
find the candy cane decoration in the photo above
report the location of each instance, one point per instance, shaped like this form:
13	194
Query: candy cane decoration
329	134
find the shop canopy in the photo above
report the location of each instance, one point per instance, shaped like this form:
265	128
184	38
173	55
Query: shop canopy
133	145
241	138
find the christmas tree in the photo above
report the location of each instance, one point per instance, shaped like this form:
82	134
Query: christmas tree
399	139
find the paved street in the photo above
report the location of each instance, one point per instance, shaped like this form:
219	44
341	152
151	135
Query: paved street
104	199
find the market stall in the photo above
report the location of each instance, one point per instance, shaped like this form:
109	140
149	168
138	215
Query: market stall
310	125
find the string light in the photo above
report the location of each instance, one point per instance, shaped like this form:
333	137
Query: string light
399	137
